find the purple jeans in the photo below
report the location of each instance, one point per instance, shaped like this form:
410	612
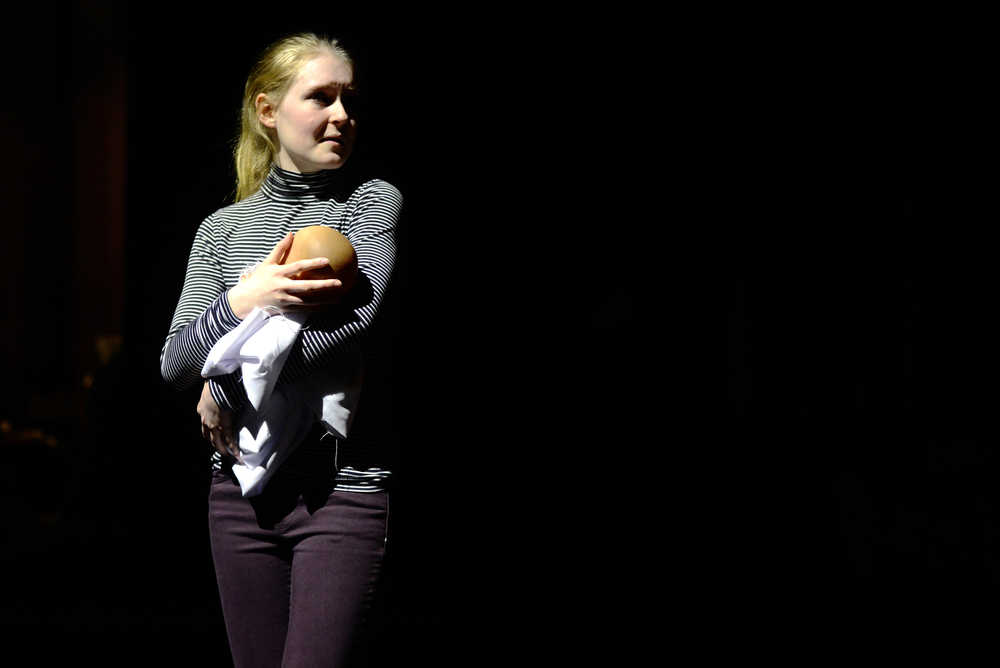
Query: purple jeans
297	568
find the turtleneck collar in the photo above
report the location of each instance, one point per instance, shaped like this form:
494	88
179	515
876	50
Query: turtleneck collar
285	186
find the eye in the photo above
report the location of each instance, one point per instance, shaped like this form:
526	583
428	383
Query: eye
322	98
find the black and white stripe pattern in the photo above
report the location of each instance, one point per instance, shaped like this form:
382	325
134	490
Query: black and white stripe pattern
335	459
242	234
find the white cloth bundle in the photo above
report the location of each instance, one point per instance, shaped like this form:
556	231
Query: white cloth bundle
280	417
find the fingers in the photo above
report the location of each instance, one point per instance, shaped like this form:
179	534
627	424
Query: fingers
280	250
231	447
303	265
217	427
228	435
224	442
305	285
215	438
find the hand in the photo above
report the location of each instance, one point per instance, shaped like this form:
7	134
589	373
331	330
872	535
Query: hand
271	284
217	425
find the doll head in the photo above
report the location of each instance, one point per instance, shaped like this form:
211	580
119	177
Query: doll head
322	241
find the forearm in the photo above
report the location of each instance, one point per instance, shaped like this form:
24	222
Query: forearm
203	314
228	391
322	347
372	232
186	349
340	330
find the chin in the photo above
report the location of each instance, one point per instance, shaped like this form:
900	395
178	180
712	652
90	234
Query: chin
335	162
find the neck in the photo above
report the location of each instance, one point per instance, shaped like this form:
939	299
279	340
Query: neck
290	185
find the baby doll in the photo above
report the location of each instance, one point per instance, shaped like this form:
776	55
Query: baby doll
281	417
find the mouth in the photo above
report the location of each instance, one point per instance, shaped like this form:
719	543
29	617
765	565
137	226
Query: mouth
336	140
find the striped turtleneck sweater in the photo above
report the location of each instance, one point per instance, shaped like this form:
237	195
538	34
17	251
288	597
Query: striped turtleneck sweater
238	236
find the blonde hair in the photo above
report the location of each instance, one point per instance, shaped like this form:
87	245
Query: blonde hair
273	74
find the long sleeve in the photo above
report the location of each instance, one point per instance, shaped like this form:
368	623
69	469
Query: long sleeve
202	316
372	232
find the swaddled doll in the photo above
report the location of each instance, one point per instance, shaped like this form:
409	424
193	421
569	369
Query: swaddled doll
259	346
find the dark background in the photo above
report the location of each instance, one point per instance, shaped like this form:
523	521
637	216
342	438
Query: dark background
849	499
862	383
118	132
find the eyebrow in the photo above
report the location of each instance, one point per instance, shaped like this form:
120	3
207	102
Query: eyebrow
332	84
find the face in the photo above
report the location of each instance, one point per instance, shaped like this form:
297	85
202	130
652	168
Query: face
313	122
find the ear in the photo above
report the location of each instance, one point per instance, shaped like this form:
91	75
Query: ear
265	111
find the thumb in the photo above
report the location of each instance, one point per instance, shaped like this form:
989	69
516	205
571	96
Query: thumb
280	250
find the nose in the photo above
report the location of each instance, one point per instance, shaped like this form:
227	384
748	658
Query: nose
338	113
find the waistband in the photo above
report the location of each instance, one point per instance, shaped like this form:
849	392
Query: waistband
349	465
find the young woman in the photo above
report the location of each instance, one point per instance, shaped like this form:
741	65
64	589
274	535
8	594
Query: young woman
297	563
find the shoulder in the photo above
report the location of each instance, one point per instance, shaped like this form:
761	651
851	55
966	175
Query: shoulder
377	189
239	209
227	218
374	205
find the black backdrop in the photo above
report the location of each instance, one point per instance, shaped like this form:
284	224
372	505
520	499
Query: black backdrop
851	494
120	137
861	513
